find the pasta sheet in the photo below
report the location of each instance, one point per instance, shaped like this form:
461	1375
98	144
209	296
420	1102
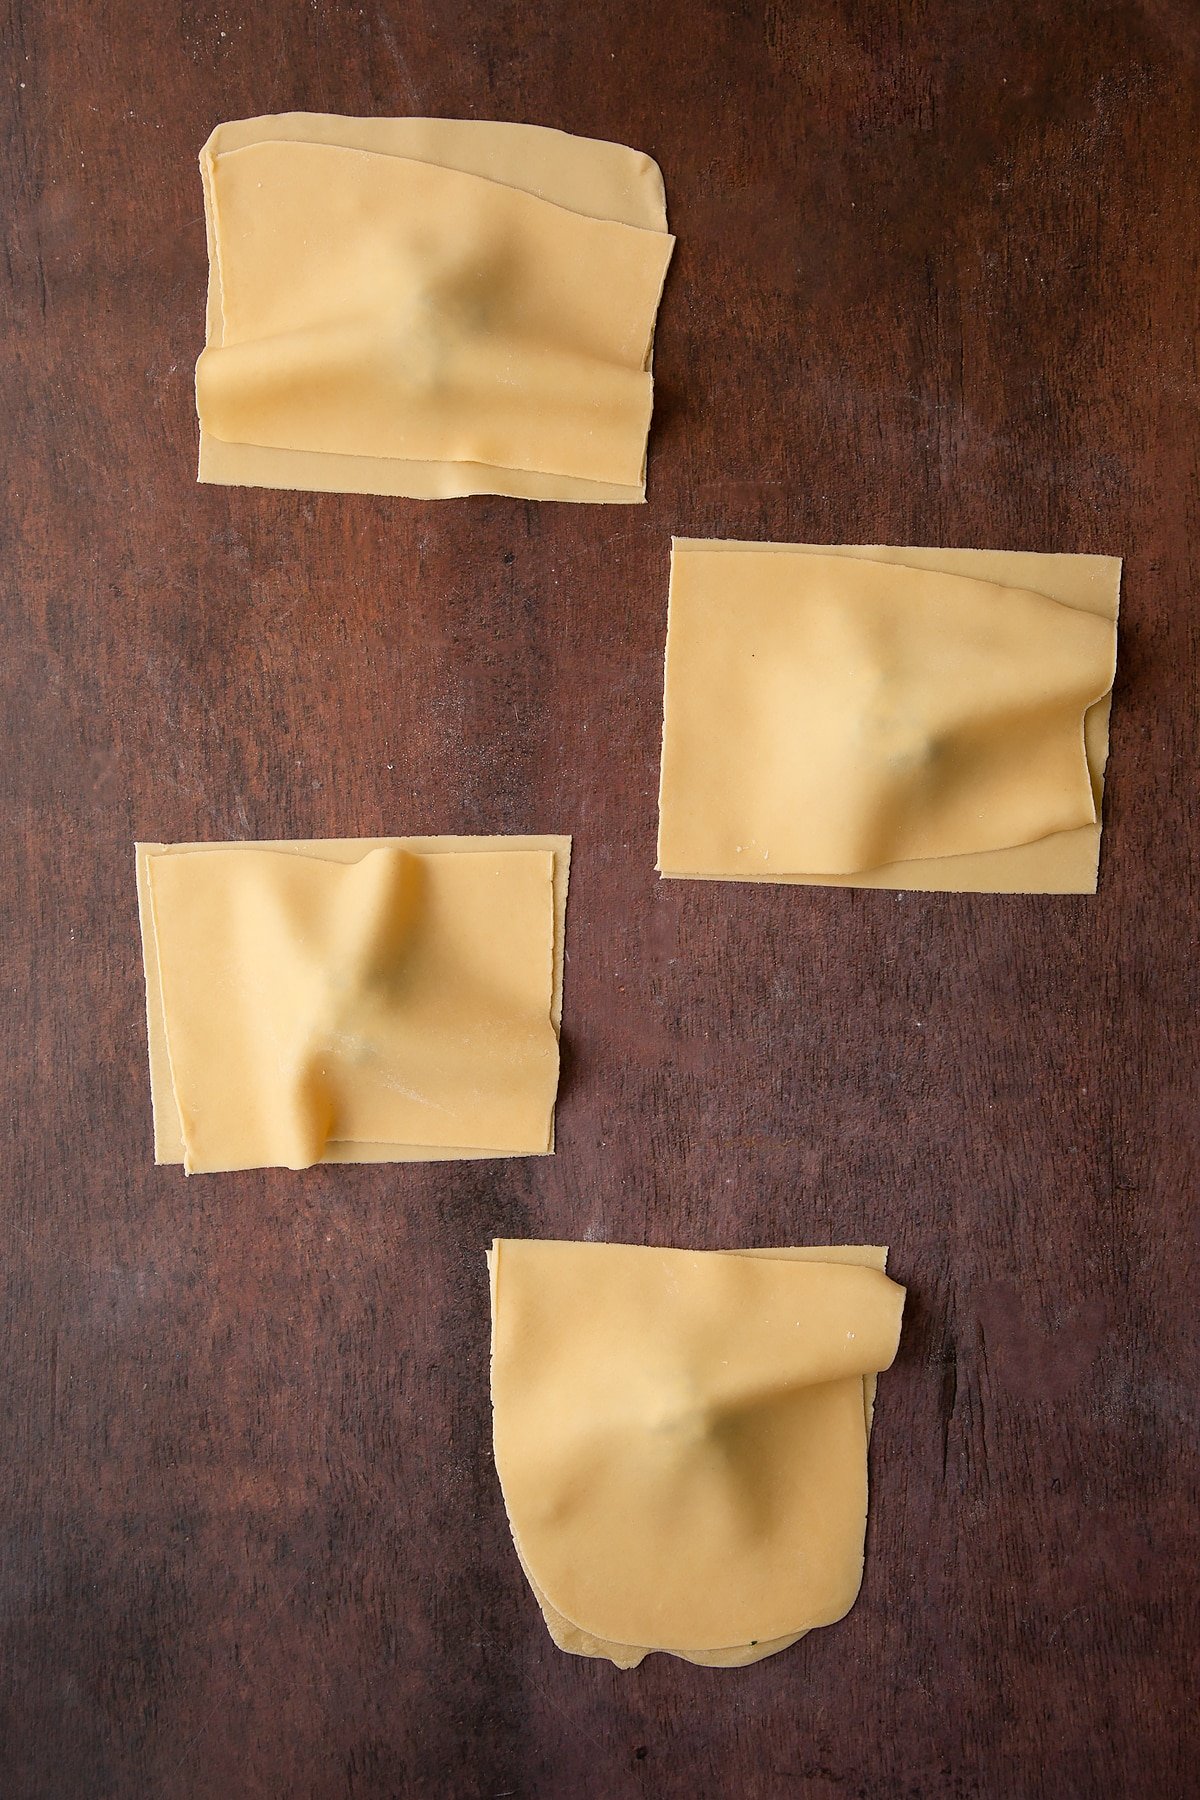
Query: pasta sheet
681	1439
866	716
428	307
352	1000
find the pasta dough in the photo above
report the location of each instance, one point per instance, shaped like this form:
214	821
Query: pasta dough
352	1000
877	717
428	307
681	1439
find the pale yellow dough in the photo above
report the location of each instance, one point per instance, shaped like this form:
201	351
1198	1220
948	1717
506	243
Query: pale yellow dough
681	1439
428	307
868	716
352	999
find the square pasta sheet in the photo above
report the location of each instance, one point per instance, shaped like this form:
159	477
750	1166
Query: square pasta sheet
865	716
428	307
353	1000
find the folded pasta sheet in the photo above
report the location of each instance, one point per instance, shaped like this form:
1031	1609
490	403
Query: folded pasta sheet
873	717
681	1439
352	1000
428	307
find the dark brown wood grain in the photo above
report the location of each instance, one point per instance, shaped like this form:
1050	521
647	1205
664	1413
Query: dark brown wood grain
936	282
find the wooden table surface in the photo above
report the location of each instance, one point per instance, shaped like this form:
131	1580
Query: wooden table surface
936	282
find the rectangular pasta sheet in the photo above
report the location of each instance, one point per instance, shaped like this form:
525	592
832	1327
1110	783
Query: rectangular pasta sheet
428	308
362	981
931	719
